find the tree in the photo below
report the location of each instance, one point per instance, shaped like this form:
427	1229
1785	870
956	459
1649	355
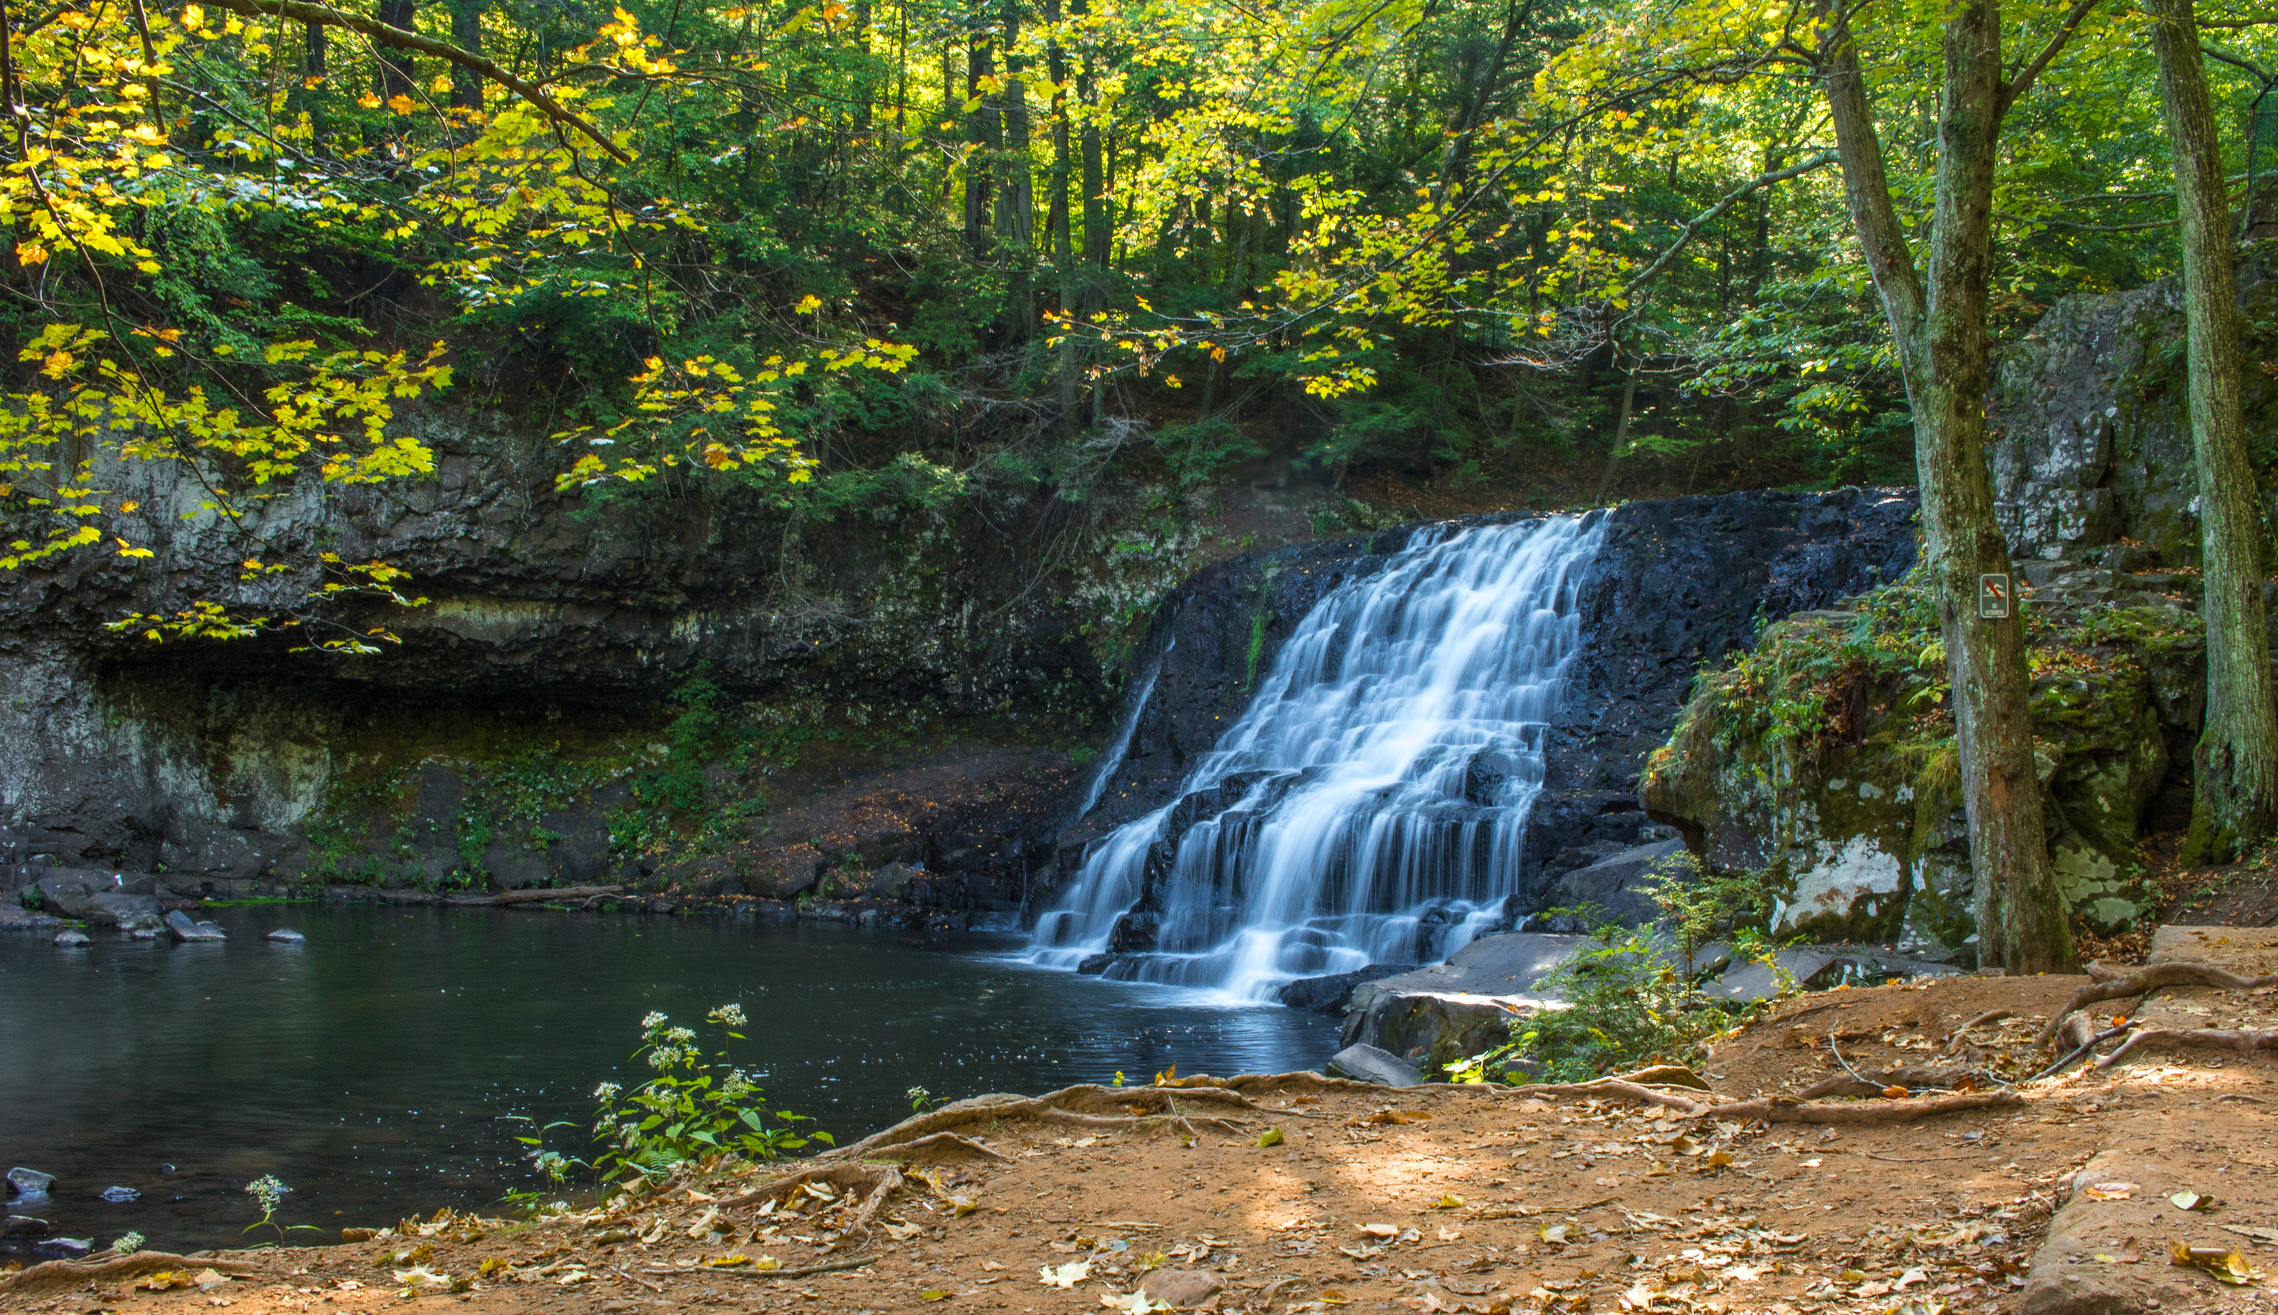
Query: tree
1938	326
2235	800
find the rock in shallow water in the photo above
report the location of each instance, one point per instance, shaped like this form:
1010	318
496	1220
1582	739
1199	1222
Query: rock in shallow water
179	923
30	1182
64	1248
120	1195
23	1226
71	938
287	935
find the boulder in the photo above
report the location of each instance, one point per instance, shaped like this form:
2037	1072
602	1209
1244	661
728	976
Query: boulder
63	1248
1331	993
71	938
183	929
286	936
1614	883
1818	968
29	1182
1449	1011
23	1226
1369	1064
119	1195
893	881
69	892
123	910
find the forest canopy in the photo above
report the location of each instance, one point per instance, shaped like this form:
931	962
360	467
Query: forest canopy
1498	241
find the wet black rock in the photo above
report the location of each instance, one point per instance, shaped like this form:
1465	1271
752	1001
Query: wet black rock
29	1182
120	1195
64	1248
23	1226
286	936
1328	994
70	938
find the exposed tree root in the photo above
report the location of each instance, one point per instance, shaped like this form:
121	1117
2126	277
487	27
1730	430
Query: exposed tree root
2202	1038
834	1175
939	1146
2152	978
796	1271
1960	1038
1069	1105
1781	1109
1620	1087
57	1275
1875	1084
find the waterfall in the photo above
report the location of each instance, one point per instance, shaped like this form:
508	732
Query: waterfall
1113	760
1369	804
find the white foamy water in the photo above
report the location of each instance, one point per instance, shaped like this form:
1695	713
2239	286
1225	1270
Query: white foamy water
1369	805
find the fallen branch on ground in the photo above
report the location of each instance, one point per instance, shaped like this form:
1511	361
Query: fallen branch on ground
2151	979
1780	1109
1960	1037
1875	1084
56	1275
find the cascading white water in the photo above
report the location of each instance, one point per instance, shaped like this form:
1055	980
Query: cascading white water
1368	806
1124	733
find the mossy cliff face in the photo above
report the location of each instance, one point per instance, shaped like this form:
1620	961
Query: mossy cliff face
1826	757
893	612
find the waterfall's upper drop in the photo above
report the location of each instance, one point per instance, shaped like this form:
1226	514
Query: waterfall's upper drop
1370	802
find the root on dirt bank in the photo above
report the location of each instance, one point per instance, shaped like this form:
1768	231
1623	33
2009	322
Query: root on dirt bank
58	1275
2204	1038
2143	980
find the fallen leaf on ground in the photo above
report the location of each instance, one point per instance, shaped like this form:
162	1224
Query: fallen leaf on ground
2226	1265
2191	1200
1271	1137
2111	1191
1065	1276
1446	1203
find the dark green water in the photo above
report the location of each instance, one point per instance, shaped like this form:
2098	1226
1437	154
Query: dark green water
375	1068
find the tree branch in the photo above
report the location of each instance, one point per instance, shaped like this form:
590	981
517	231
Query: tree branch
307	12
2017	86
1715	212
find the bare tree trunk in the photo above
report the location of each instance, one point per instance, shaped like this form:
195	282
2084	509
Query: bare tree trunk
313	64
1621	436
466	34
982	132
1016	189
1938	326
398	75
2236	799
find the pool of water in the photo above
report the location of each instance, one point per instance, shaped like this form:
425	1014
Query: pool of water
380	1067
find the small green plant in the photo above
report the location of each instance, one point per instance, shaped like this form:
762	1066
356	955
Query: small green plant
695	1108
921	1100
1699	907
270	1191
31	897
128	1243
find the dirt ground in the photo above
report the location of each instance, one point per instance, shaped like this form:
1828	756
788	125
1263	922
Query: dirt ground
1427	1200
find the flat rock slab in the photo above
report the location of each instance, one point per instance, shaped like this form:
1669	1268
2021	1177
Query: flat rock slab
2247	951
2067	1278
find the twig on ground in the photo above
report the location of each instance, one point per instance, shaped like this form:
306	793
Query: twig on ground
1961	1034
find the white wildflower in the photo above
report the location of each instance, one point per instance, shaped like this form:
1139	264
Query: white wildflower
606	1092
728	1015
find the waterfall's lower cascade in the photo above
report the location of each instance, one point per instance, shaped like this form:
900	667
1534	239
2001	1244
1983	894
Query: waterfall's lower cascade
1369	805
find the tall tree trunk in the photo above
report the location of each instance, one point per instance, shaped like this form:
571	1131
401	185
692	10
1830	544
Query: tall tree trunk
1016	188
1938	326
466	34
983	133
2236	800
1099	215
312	64
398	75
1621	436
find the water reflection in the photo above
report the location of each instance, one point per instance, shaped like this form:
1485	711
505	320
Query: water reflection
378	1067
